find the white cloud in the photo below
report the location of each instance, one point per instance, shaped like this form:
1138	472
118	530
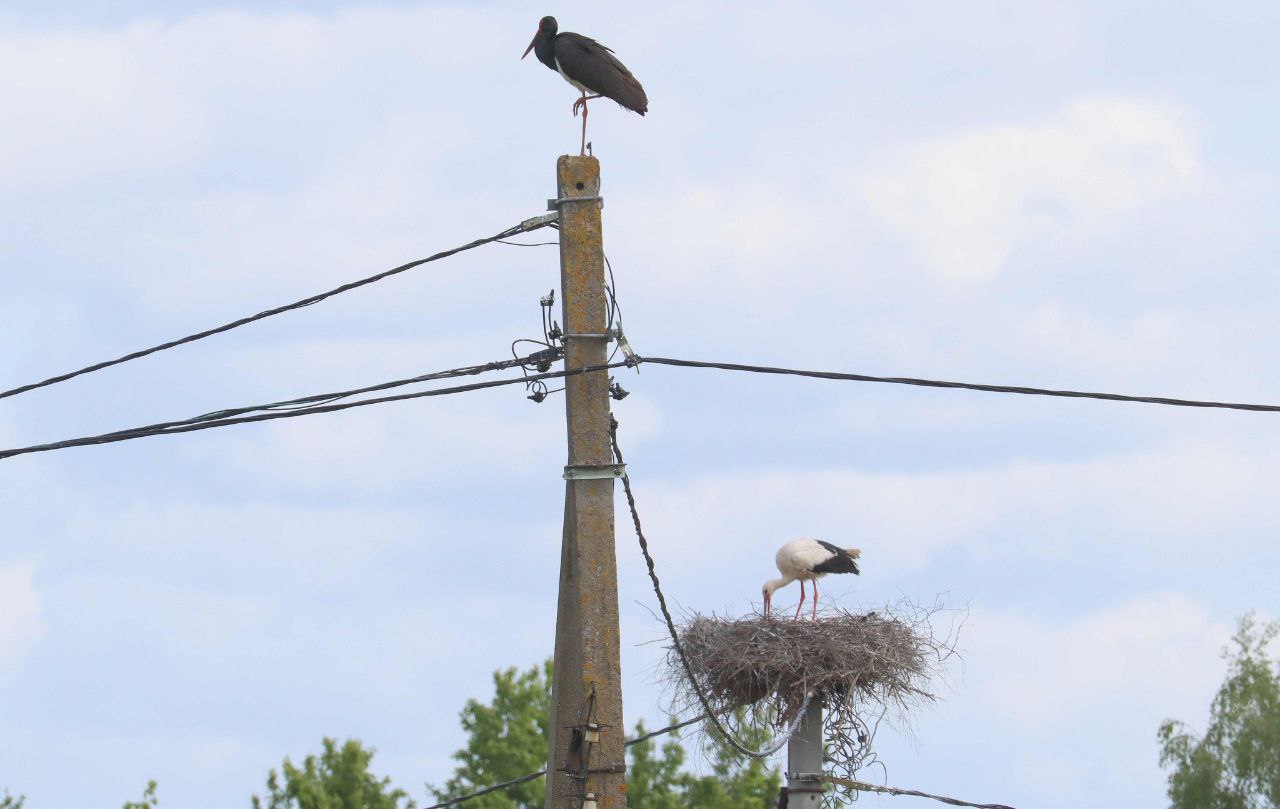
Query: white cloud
1151	654
1161	500
1111	675
965	202
309	544
20	607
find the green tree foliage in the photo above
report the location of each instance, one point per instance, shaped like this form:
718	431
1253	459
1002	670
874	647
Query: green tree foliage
1236	763
148	798
659	782
508	738
654	779
338	779
735	781
10	802
505	740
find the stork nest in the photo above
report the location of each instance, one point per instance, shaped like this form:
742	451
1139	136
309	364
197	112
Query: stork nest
757	672
874	655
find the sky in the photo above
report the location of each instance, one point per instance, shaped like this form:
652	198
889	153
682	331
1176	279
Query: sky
1074	195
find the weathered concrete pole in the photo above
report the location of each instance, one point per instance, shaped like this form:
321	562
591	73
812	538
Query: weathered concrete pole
586	654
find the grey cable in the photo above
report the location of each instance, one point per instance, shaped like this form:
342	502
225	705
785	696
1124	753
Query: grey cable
724	732
522	779
936	383
524	227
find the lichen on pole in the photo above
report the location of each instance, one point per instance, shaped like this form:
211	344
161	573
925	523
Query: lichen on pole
586	681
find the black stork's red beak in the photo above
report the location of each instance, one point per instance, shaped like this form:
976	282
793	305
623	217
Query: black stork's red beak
532	42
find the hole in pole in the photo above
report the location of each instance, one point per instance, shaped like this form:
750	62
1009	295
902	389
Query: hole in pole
579	186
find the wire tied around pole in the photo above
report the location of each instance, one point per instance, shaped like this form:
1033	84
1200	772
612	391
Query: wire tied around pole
711	714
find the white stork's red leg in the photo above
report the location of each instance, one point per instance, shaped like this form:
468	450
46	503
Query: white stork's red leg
801	604
815	599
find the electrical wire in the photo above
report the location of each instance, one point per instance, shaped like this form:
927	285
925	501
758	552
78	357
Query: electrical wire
549	355
305	406
205	423
524	227
524	778
792	726
845	782
935	383
614	317
864	786
504	785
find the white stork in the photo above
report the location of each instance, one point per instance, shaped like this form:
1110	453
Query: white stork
808	560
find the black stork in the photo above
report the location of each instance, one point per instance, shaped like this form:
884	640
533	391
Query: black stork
588	66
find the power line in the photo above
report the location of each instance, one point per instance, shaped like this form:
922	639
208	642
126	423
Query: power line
935	383
228	417
523	227
546	355
859	785
504	785
524	778
864	786
204	423
710	713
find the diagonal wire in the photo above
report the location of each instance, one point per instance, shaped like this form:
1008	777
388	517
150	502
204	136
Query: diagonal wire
864	786
710	713
220	419
522	779
845	782
936	383
549	354
504	785
203	423
524	227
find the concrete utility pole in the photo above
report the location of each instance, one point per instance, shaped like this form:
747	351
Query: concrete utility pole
586	686
804	760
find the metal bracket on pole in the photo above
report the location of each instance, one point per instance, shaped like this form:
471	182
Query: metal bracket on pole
554	204
539	220
608	471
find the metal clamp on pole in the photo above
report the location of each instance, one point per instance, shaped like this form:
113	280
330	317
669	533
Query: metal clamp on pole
628	353
540	220
589	336
554	204
806	776
608	471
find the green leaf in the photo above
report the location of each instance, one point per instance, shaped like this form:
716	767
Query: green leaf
1236	763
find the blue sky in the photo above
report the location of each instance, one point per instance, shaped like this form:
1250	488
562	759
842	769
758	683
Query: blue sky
1070	195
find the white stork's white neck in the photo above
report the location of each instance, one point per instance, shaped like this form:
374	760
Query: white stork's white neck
773	584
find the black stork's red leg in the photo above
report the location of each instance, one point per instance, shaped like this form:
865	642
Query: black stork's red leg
590	67
582	102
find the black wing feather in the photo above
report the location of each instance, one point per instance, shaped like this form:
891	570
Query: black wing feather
593	65
840	562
